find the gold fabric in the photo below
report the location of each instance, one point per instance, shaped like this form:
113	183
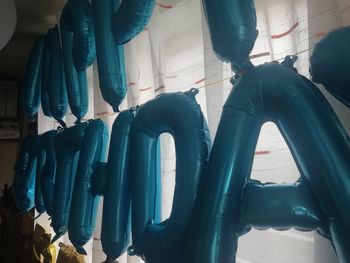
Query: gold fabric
68	254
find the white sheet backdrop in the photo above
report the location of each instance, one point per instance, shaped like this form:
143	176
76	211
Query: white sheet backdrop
174	54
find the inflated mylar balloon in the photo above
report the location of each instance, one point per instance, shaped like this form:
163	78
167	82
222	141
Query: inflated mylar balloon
68	144
180	115
132	17
117	24
319	144
31	85
56	82
83	212
329	64
78	44
232	26
110	56
47	172
21	163
24	187
23	157
279	206
77	18
45	75
117	192
41	158
99	178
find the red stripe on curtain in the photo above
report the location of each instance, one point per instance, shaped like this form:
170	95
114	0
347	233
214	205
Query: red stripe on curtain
285	33
103	113
145	89
160	88
165	6
262	152
199	81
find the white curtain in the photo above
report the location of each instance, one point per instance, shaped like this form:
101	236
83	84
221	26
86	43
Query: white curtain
174	54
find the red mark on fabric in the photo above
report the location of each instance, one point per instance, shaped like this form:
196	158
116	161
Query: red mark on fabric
262	152
132	84
102	113
285	33
199	81
171	77
145	89
160	88
165	6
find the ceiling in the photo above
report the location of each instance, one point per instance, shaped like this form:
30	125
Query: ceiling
34	18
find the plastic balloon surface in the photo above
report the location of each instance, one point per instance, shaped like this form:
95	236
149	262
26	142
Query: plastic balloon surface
45	76
46	171
56	79
31	84
116	24
117	190
68	145
280	206
110	56
41	157
21	163
24	187
180	115
131	18
329	64
99	177
83	211
232	27
77	18
317	140
78	44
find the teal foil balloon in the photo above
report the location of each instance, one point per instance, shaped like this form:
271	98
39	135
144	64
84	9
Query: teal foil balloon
131	19
329	64
280	206
31	84
83	211
45	74
77	18
317	140
180	115
41	158
78	44
68	145
99	178
47	172
21	164
22	161
117	190
110	56
232	27
24	187
56	82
